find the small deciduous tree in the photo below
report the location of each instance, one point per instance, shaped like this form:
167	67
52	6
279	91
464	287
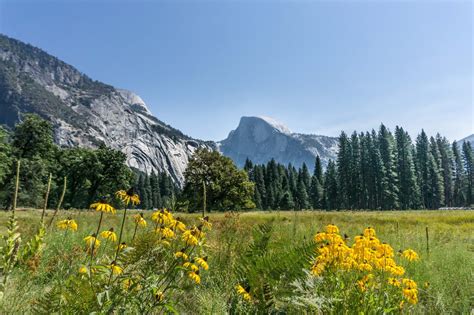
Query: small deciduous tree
227	188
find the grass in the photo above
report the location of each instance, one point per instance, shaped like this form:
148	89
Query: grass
448	266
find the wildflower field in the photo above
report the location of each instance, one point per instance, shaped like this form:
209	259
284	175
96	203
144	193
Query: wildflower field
254	262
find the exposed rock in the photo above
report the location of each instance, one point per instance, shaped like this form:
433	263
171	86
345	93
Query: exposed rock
261	138
86	113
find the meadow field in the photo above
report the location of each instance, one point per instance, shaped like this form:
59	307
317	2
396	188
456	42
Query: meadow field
268	249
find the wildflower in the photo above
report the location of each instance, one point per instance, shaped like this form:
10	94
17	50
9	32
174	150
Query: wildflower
243	292
394	282
83	270
68	224
411	295
103	206
205	222
194	276
127	283
410	255
122	246
159	296
92	241
332	229
163	217
320	237
181	254
426	285
177	225
139	220
109	235
116	269
189	238
165	232
128	196
191	266
202	262
369	232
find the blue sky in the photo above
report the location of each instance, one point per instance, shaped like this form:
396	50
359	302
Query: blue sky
318	66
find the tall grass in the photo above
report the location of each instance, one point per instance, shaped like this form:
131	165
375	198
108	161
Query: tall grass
447	267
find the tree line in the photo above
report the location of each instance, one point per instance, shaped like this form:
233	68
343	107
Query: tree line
89	174
373	170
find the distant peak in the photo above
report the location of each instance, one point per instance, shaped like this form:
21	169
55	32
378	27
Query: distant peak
269	121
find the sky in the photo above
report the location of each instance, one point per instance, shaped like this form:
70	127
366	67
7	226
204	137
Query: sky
318	66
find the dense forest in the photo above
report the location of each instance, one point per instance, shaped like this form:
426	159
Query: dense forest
89	174
376	170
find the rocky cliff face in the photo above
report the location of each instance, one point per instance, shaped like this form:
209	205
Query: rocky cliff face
86	113
261	138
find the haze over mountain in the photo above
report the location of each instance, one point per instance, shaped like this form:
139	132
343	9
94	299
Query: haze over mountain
262	138
87	113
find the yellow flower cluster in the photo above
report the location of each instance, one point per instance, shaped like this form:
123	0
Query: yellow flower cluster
67	224
367	254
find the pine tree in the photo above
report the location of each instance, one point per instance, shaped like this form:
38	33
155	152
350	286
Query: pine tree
318	170
355	195
422	157
390	179
408	191
447	168
344	170
316	193
467	154
331	191
459	198
302	199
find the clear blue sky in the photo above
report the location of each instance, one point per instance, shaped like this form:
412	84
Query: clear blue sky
319	67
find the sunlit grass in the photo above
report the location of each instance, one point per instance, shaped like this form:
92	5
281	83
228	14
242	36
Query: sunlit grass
447	266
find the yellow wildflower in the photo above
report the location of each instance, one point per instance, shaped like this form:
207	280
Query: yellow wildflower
332	229
116	269
140	220
103	206
202	262
243	292
394	282
189	238
205	222
83	270
194	276
67	224
128	196
410	255
109	235
165	232
92	241
181	254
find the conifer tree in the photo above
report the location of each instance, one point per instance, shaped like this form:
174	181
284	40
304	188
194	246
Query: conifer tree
331	191
390	180
408	191
447	168
459	198
469	168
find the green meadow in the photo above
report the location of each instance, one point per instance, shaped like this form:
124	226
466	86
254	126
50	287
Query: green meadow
444	272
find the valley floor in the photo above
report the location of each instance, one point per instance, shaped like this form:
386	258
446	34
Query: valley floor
444	272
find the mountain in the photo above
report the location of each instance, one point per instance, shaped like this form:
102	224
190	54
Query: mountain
262	138
87	113
468	139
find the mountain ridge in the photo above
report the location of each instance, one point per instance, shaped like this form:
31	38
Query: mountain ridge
262	138
85	112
